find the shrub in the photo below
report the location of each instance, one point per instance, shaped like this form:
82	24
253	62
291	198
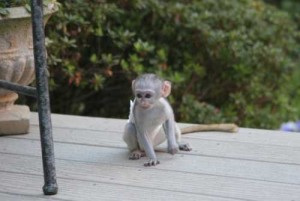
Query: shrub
228	60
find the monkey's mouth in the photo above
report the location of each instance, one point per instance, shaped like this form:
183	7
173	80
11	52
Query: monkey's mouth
145	106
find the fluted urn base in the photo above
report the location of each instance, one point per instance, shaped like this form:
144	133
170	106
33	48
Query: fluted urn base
14	120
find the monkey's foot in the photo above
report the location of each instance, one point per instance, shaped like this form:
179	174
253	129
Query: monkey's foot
172	150
136	154
151	162
185	147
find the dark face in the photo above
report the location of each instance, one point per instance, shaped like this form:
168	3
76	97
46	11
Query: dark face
145	98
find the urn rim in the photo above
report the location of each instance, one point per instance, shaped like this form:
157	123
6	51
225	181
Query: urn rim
22	12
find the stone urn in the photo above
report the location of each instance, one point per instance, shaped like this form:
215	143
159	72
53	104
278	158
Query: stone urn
17	66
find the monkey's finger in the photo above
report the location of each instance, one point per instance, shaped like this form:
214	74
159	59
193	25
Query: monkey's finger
133	157
151	163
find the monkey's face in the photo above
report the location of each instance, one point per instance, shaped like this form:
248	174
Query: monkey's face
145	98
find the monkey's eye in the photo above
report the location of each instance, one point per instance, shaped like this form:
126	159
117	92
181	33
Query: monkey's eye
148	96
139	95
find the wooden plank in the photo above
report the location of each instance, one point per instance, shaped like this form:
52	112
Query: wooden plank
96	137
151	178
246	135
201	147
80	122
79	136
16	197
253	165
75	190
255	136
273	172
22	197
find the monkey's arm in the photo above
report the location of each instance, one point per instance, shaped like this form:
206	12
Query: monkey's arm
148	147
232	128
169	128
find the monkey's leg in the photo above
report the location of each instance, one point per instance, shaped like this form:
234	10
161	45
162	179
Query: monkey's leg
183	146
130	137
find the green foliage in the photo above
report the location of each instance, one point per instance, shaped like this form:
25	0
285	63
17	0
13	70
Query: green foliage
200	110
12	3
291	6
229	60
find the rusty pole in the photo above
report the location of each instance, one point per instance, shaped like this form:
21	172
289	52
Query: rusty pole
50	186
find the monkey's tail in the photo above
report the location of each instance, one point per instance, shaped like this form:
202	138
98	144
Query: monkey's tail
232	128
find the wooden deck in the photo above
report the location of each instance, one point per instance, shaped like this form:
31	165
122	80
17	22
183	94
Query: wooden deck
92	164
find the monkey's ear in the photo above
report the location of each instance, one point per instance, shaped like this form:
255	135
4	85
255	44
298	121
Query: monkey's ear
132	84
166	88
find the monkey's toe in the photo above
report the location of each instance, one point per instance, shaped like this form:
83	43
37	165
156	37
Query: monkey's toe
151	162
185	147
137	154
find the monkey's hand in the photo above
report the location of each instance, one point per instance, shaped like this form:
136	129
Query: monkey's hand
172	149
151	162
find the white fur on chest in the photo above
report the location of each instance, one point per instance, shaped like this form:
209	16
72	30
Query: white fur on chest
150	121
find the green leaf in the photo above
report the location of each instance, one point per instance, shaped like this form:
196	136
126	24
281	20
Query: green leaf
94	58
28	8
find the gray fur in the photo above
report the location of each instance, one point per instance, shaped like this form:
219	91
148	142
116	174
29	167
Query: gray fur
151	120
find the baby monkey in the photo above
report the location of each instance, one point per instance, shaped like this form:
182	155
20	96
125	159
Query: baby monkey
151	120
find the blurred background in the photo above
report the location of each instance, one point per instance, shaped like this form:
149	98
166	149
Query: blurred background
228	60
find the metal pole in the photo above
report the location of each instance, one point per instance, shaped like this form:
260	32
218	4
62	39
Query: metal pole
25	90
50	186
